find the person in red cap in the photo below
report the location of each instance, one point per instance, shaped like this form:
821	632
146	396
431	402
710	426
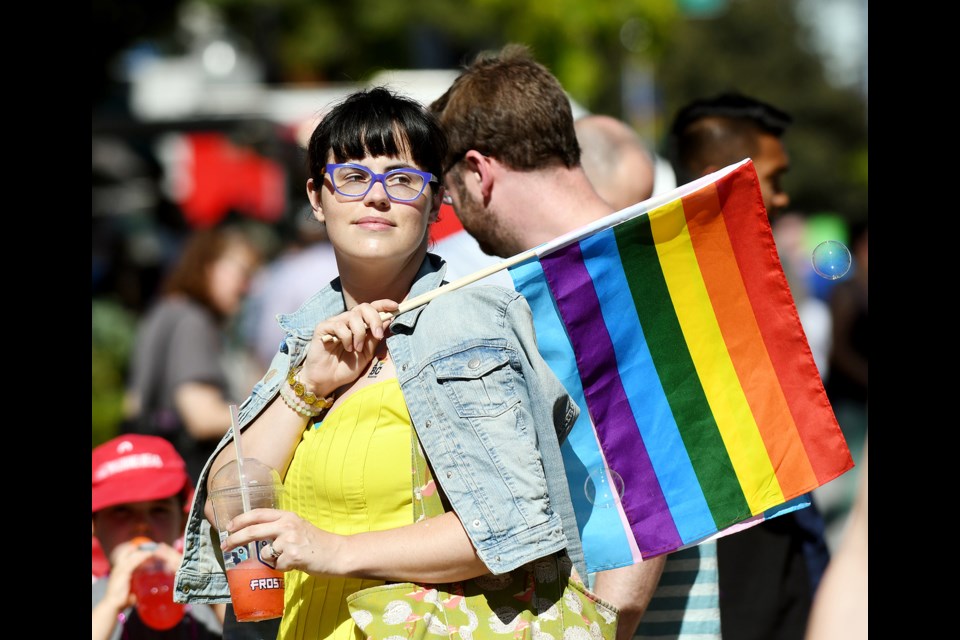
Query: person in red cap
140	489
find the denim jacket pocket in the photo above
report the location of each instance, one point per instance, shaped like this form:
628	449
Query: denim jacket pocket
479	380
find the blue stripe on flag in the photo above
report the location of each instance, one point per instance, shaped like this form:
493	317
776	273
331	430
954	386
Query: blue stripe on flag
602	531
800	502
648	401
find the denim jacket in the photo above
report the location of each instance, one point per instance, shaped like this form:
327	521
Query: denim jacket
487	409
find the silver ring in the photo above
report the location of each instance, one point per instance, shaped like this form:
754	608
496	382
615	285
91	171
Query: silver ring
273	552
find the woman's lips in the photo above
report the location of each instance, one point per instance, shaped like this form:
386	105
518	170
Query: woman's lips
372	222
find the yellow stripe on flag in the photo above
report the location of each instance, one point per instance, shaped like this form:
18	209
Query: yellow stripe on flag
719	380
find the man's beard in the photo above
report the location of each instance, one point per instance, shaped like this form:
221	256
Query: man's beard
494	239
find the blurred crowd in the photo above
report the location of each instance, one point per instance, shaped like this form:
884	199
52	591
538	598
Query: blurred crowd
186	299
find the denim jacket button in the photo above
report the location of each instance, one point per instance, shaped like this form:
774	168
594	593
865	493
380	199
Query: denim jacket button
474	363
477	523
449	474
427	424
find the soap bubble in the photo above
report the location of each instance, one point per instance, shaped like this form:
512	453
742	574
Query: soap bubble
831	260
601	485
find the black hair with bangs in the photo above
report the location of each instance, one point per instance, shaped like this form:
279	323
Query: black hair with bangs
377	122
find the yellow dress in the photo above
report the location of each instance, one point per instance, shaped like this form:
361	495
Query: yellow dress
350	473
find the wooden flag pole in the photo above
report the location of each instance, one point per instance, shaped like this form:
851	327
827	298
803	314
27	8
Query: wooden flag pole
424	298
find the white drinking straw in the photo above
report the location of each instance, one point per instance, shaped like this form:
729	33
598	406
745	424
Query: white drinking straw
244	493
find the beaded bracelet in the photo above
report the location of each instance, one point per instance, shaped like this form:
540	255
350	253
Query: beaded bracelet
297	405
304	402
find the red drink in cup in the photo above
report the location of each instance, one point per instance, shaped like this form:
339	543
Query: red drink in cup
256	586
155	604
256	591
153	585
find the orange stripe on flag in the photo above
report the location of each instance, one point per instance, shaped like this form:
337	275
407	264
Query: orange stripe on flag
779	324
743	340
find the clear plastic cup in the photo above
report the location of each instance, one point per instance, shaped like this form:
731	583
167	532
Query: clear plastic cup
152	582
256	586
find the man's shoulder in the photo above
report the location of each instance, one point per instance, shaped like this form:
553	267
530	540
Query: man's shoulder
175	308
165	315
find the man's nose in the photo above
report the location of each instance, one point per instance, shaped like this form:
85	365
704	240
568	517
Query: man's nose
780	200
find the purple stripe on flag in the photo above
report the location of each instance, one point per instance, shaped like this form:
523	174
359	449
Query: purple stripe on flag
643	501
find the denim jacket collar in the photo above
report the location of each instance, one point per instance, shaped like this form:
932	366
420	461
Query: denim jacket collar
330	299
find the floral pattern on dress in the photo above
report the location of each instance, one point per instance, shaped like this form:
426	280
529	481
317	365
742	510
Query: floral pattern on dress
542	600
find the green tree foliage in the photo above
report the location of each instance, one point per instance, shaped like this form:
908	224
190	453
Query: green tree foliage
349	41
585	44
113	329
755	46
758	48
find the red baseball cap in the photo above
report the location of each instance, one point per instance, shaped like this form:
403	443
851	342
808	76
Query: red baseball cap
136	468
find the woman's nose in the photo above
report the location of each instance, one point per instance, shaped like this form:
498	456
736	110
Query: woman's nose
377	195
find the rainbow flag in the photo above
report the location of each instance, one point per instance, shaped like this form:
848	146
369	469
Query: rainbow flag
702	412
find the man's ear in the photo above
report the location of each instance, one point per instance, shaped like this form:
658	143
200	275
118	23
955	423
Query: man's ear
313	193
482	169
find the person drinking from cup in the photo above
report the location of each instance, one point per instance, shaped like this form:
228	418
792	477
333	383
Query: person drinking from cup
140	490
360	393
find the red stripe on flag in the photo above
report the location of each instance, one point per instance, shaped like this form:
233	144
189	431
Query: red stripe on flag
752	242
741	335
